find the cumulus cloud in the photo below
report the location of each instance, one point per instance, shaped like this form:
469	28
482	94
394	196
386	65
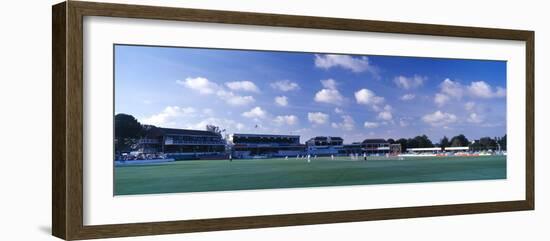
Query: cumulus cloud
355	64
338	110
478	89
286	120
368	97
441	99
403	122
408	97
409	82
452	88
369	125
228	124
481	89
439	118
448	90
318	118
248	86
385	115
285	85
200	84
330	96
167	115
470	105
233	99
281	100
329	84
347	123
474	118
207	87
255	113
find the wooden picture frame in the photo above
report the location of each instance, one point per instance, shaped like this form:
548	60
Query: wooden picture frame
67	123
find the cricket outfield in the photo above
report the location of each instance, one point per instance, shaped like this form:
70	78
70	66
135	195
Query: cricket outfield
223	175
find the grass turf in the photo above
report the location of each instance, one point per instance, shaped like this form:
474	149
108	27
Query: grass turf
222	175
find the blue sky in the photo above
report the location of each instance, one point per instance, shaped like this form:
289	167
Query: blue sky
309	94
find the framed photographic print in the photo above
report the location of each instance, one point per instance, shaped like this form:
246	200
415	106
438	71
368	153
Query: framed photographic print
171	120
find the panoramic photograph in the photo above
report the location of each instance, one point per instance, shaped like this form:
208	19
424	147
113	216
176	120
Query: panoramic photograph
203	119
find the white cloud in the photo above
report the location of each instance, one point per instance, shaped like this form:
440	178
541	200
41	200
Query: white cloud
330	96
317	117
227	124
371	124
248	86
281	100
408	97
474	118
166	116
285	85
454	90
329	84
255	113
441	99
286	119
448	90
206	87
481	89
200	84
208	111
439	118
470	105
233	99
451	88
409	82
338	110
347	123
367	97
385	115
358	64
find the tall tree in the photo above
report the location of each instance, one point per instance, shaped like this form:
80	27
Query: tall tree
444	142
127	131
502	142
487	143
460	140
403	143
214	129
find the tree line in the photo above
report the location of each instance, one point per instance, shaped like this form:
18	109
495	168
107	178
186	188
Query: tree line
422	141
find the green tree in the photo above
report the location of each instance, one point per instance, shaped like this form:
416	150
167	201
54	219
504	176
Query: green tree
127	131
502	142
444	142
403	143
460	140
487	143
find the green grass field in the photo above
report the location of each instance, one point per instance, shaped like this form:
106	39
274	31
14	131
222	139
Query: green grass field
222	175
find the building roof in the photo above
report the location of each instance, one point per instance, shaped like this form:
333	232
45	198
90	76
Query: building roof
159	131
457	148
264	135
374	141
187	132
425	149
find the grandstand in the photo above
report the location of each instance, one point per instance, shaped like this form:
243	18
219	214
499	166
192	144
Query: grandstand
182	143
376	147
265	146
325	145
423	151
353	148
